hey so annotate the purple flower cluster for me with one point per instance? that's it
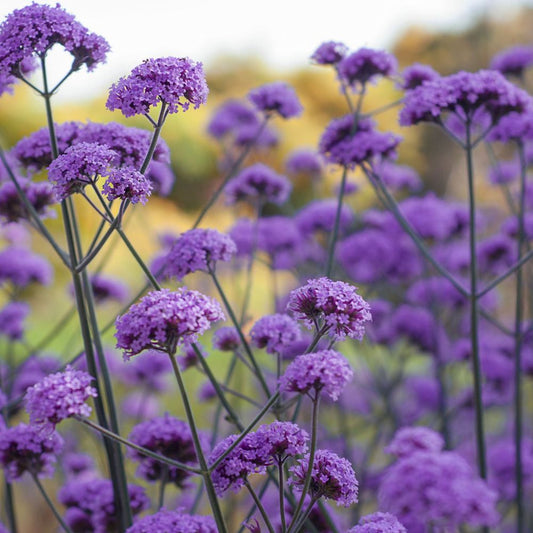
(20, 267)
(408, 440)
(226, 339)
(166, 436)
(417, 74)
(177, 82)
(275, 332)
(258, 183)
(34, 369)
(349, 143)
(197, 249)
(463, 93)
(326, 371)
(91, 507)
(378, 523)
(148, 372)
(12, 317)
(513, 61)
(305, 162)
(397, 177)
(127, 184)
(106, 288)
(276, 98)
(59, 396)
(173, 522)
(39, 194)
(334, 307)
(516, 127)
(319, 215)
(366, 65)
(35, 29)
(25, 448)
(163, 319)
(329, 53)
(332, 477)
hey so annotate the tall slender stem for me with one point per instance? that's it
(335, 233)
(50, 504)
(259, 505)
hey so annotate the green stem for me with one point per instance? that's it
(259, 505)
(50, 504)
(10, 507)
(281, 497)
(335, 233)
(155, 137)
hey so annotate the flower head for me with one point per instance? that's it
(282, 439)
(24, 448)
(177, 82)
(335, 303)
(275, 332)
(278, 98)
(174, 522)
(326, 371)
(12, 317)
(106, 288)
(365, 65)
(59, 396)
(127, 184)
(226, 339)
(163, 319)
(319, 215)
(513, 61)
(408, 440)
(306, 162)
(332, 477)
(329, 53)
(417, 74)
(378, 523)
(21, 267)
(40, 195)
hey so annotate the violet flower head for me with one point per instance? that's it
(161, 177)
(378, 523)
(40, 195)
(127, 184)
(334, 307)
(332, 477)
(177, 82)
(79, 166)
(349, 146)
(397, 177)
(25, 448)
(517, 127)
(163, 319)
(513, 61)
(258, 183)
(148, 373)
(107, 288)
(366, 65)
(329, 53)
(320, 215)
(59, 396)
(168, 436)
(417, 74)
(198, 249)
(464, 94)
(34, 369)
(275, 332)
(12, 317)
(324, 371)
(226, 339)
(20, 267)
(305, 162)
(36, 28)
(173, 522)
(230, 117)
(408, 440)
(282, 440)
(276, 98)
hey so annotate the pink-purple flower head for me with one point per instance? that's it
(332, 477)
(276, 98)
(517, 127)
(275, 332)
(163, 319)
(39, 194)
(12, 317)
(378, 523)
(25, 448)
(464, 94)
(349, 144)
(305, 162)
(175, 521)
(127, 184)
(408, 440)
(417, 74)
(198, 249)
(177, 82)
(35, 29)
(59, 396)
(20, 267)
(258, 183)
(365, 66)
(333, 307)
(513, 61)
(329, 53)
(326, 371)
(226, 339)
(79, 166)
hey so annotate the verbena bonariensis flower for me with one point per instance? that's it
(226, 339)
(274, 332)
(276, 98)
(329, 53)
(79, 166)
(40, 195)
(463, 93)
(516, 127)
(91, 507)
(348, 144)
(416, 74)
(20, 267)
(36, 28)
(167, 436)
(25, 448)
(127, 184)
(408, 440)
(161, 177)
(198, 249)
(258, 183)
(178, 82)
(175, 521)
(148, 373)
(430, 487)
(305, 162)
(107, 288)
(378, 523)
(12, 317)
(324, 371)
(366, 65)
(416, 324)
(332, 477)
(433, 291)
(319, 215)
(281, 440)
(59, 396)
(231, 117)
(513, 61)
(163, 319)
(397, 177)
(31, 371)
(333, 307)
